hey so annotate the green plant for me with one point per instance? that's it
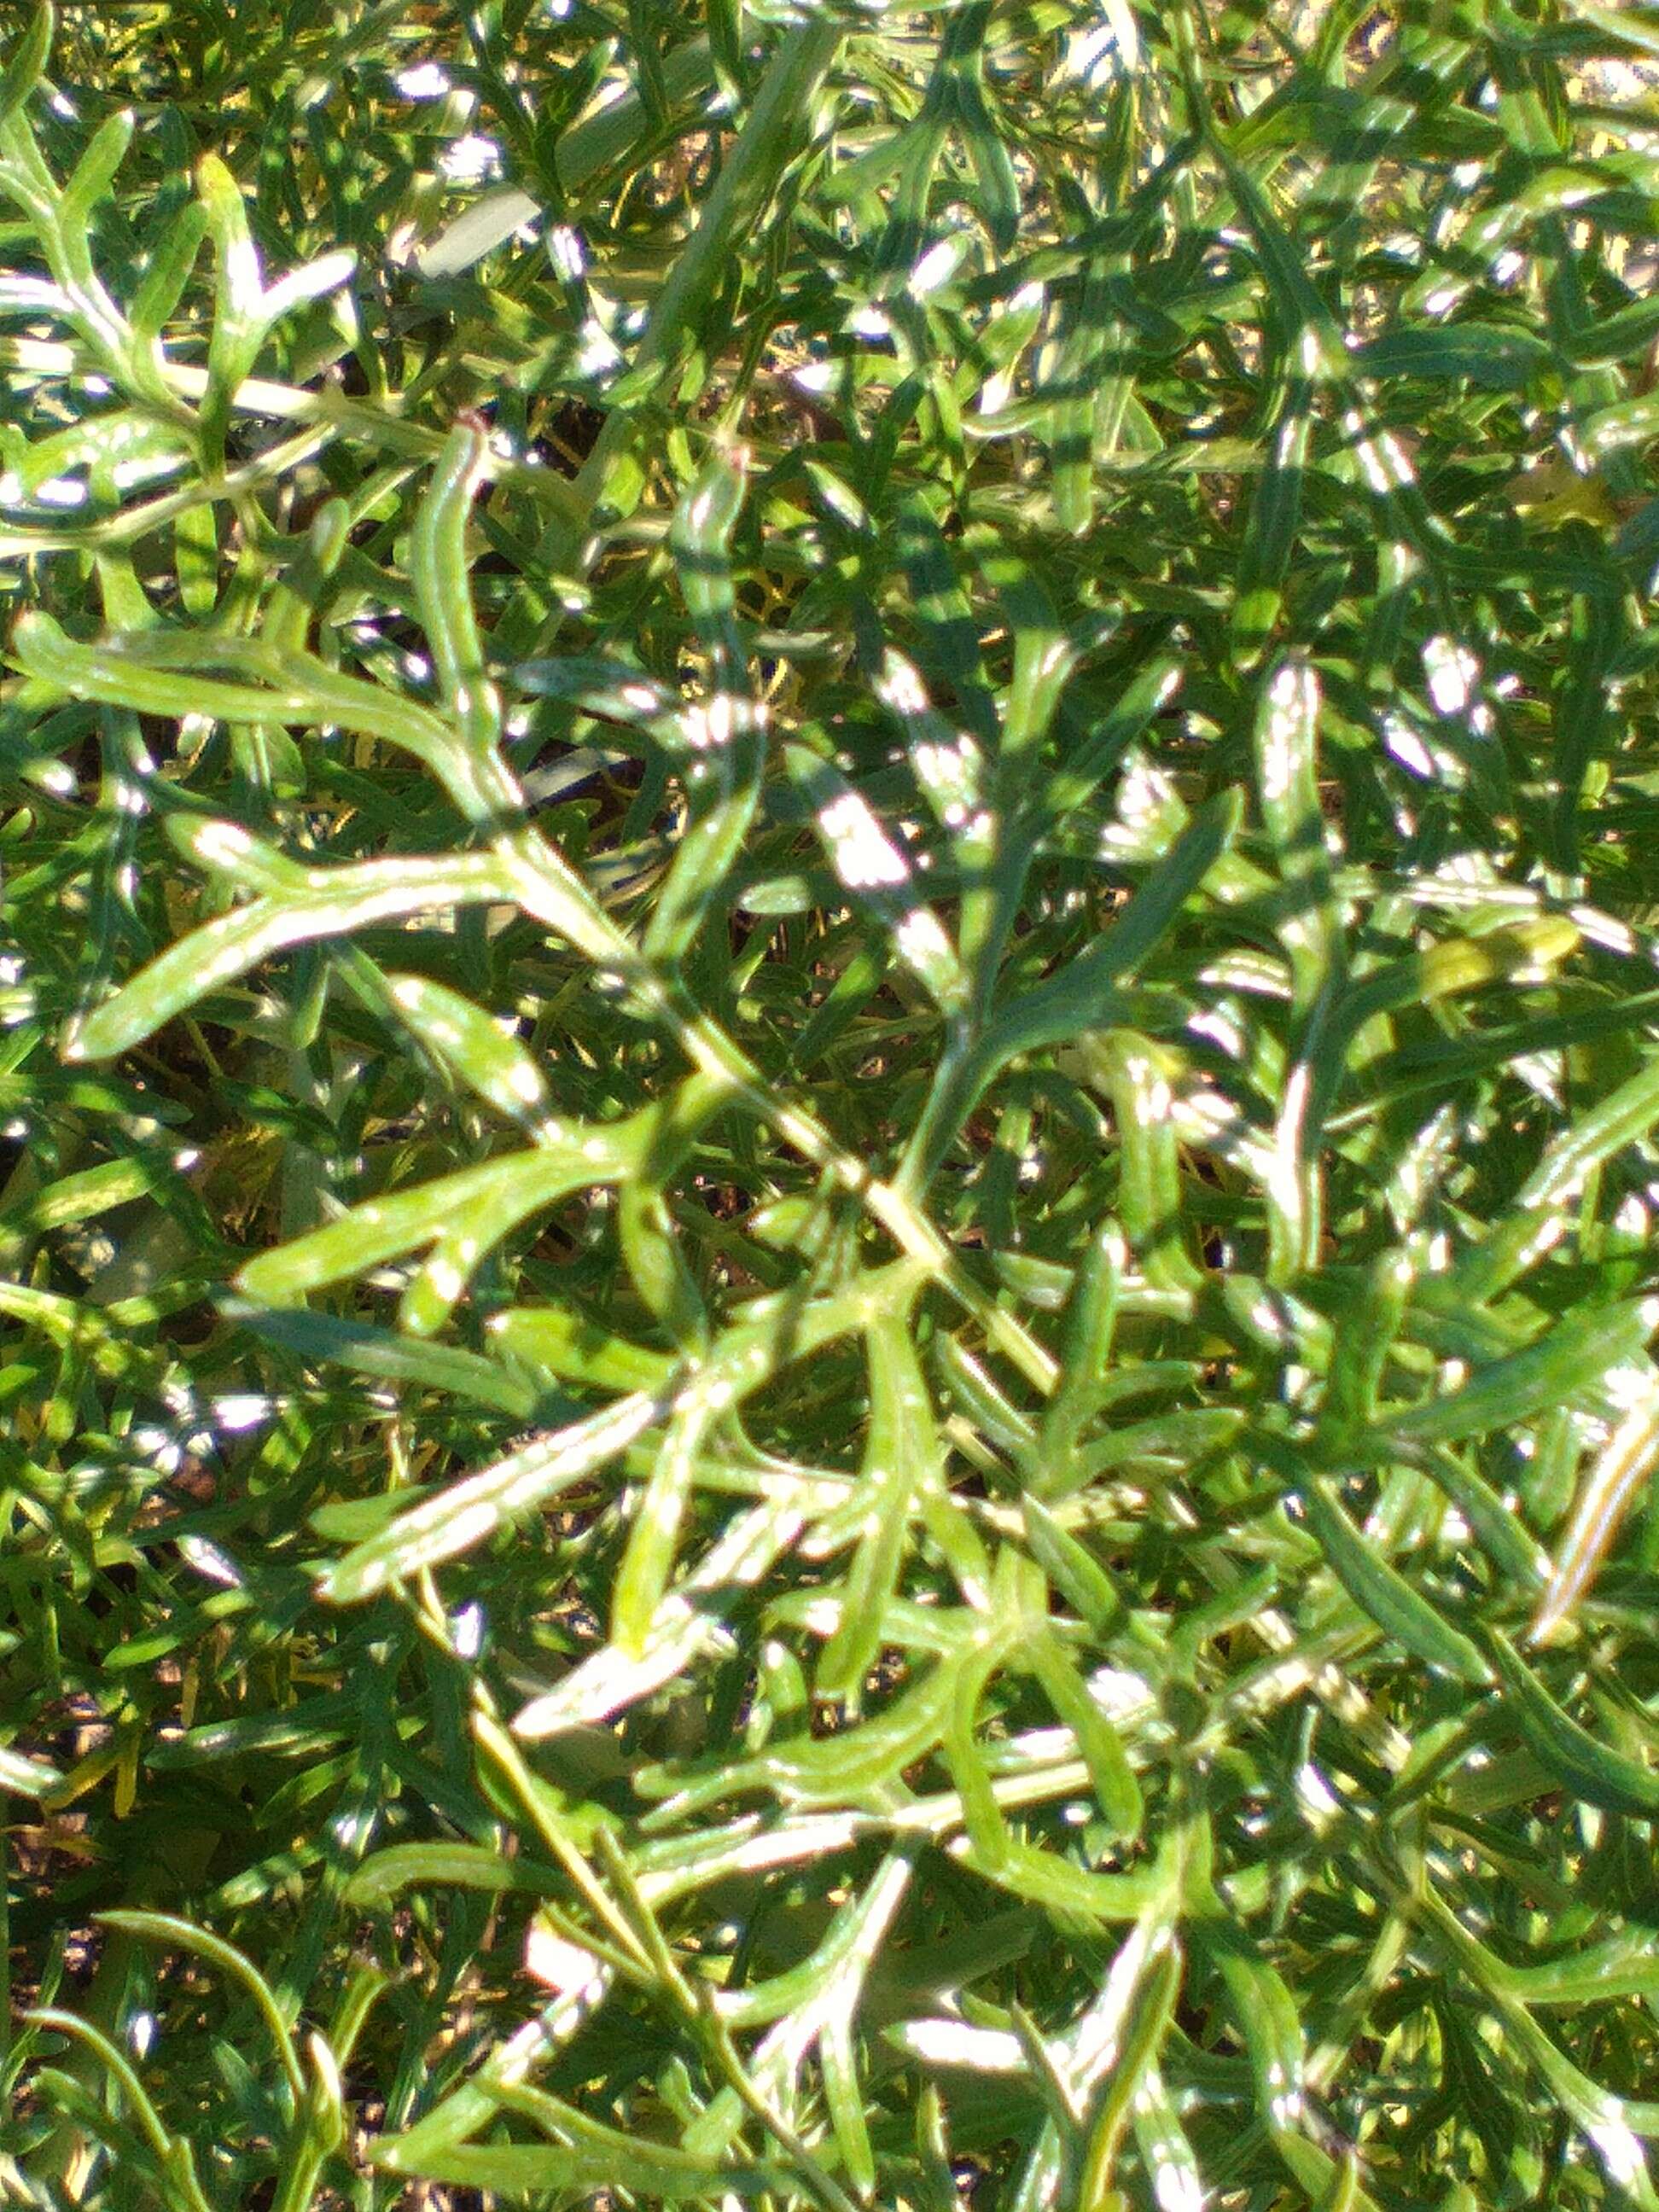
(830, 1045)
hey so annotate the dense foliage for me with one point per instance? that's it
(831, 1063)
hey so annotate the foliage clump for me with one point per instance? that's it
(830, 1057)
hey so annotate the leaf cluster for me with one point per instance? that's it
(830, 1064)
